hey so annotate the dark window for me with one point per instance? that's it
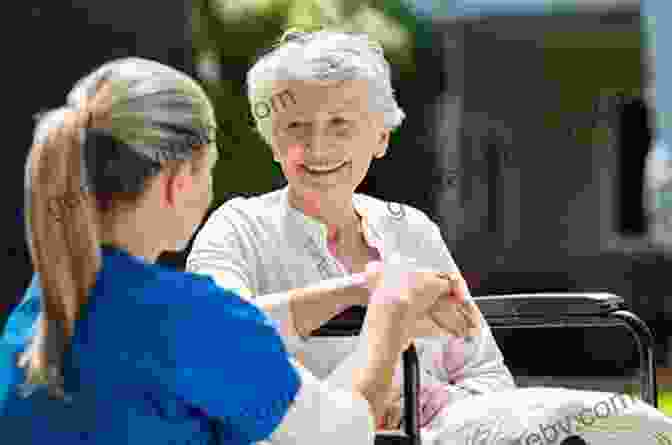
(634, 136)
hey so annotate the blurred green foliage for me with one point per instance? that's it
(664, 396)
(229, 36)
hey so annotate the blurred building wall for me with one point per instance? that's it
(544, 153)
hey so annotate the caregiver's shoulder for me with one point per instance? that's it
(187, 292)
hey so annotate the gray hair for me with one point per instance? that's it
(324, 55)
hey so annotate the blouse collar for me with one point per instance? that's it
(318, 231)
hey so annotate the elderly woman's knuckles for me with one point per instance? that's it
(426, 288)
(425, 327)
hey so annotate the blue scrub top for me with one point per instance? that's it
(158, 357)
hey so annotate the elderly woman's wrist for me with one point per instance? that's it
(372, 276)
(360, 288)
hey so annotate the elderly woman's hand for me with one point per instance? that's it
(400, 282)
(453, 313)
(449, 313)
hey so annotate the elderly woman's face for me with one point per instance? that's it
(325, 135)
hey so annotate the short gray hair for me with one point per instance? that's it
(324, 55)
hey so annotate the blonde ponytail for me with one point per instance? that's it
(124, 123)
(64, 248)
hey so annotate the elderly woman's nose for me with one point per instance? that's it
(317, 145)
(315, 141)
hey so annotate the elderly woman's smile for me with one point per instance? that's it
(324, 170)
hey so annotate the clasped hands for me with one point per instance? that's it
(437, 302)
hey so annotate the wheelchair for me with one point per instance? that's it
(532, 310)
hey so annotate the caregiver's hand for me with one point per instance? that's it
(393, 412)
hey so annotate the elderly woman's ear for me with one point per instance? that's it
(384, 141)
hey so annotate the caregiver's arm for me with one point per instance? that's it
(335, 410)
(325, 414)
(267, 394)
(224, 252)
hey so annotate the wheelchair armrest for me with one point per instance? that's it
(545, 304)
(575, 309)
(493, 307)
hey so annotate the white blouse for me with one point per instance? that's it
(263, 247)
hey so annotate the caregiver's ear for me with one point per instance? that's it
(176, 183)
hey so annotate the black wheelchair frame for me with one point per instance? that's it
(535, 310)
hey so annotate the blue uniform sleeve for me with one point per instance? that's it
(18, 329)
(229, 361)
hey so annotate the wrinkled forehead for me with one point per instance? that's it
(313, 98)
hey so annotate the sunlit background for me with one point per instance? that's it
(529, 125)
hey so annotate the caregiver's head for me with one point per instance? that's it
(324, 102)
(127, 162)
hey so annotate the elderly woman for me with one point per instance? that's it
(113, 349)
(324, 103)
